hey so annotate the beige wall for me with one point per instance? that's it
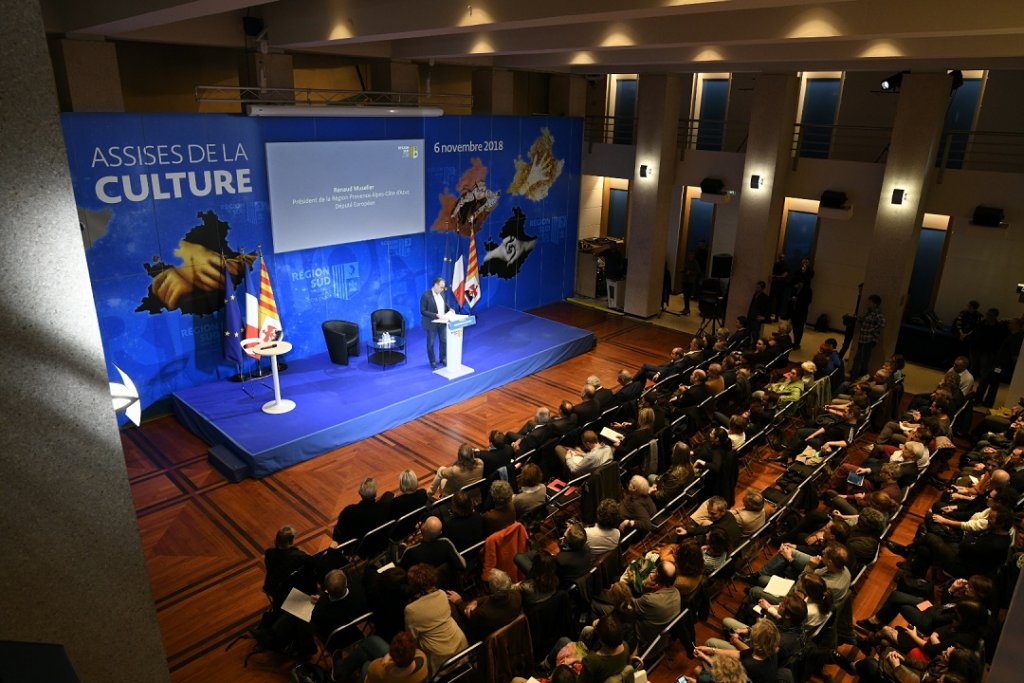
(591, 204)
(180, 69)
(1002, 105)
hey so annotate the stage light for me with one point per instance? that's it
(893, 82)
(898, 195)
(756, 182)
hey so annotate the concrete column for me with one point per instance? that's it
(388, 76)
(567, 95)
(493, 92)
(87, 76)
(650, 198)
(915, 140)
(1016, 389)
(772, 113)
(73, 568)
(270, 70)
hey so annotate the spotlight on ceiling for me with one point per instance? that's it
(893, 82)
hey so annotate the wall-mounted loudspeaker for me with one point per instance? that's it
(833, 199)
(252, 26)
(712, 186)
(988, 216)
(721, 265)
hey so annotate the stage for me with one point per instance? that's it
(337, 405)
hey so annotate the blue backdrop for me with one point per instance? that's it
(155, 190)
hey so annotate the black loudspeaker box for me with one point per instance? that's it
(989, 216)
(832, 199)
(721, 265)
(712, 186)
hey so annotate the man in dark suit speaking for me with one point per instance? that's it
(433, 305)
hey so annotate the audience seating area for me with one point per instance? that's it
(800, 520)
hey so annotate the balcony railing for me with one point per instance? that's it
(981, 151)
(325, 97)
(611, 130)
(714, 136)
(845, 143)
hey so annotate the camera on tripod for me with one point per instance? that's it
(711, 299)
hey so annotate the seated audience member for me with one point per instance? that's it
(489, 613)
(533, 433)
(609, 656)
(976, 553)
(692, 395)
(638, 436)
(637, 506)
(782, 337)
(464, 527)
(679, 475)
(604, 396)
(280, 561)
(591, 455)
(541, 580)
(574, 558)
(737, 431)
(428, 618)
(589, 408)
(751, 515)
(604, 535)
(839, 434)
(499, 455)
(340, 603)
(390, 591)
(713, 513)
(761, 354)
(435, 550)
(715, 550)
(650, 371)
(759, 658)
(402, 662)
(715, 382)
(789, 616)
(411, 496)
(791, 388)
(965, 631)
(467, 469)
(532, 491)
(831, 565)
(504, 512)
(369, 513)
(658, 604)
(689, 561)
(627, 395)
(721, 670)
(927, 619)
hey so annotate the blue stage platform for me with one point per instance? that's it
(338, 405)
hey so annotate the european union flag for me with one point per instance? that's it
(232, 321)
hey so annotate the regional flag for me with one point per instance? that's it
(472, 275)
(252, 311)
(459, 283)
(232, 321)
(270, 321)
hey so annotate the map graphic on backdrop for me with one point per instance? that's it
(161, 196)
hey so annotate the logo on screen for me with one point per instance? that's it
(410, 151)
(345, 279)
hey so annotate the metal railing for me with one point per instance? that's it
(845, 143)
(714, 136)
(612, 130)
(981, 151)
(326, 97)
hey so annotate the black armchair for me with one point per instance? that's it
(387, 320)
(342, 338)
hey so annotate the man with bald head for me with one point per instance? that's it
(435, 550)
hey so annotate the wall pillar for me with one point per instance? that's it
(916, 133)
(87, 75)
(493, 92)
(73, 568)
(769, 141)
(269, 70)
(650, 198)
(389, 76)
(567, 95)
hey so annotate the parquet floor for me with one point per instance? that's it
(204, 537)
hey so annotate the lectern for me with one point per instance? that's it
(453, 334)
